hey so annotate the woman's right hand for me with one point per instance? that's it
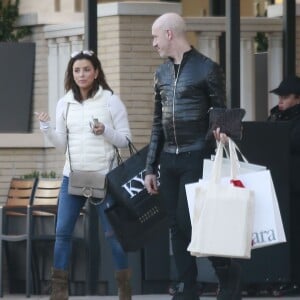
(42, 116)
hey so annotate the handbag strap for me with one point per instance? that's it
(67, 132)
(132, 150)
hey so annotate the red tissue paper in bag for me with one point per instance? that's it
(237, 183)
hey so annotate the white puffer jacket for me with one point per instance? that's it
(87, 151)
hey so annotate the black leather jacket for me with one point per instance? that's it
(181, 107)
(291, 114)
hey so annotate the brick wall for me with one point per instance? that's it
(129, 62)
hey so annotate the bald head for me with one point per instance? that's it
(169, 38)
(171, 21)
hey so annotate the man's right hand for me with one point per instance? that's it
(151, 184)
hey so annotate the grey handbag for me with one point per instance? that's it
(90, 184)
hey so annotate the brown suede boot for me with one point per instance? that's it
(59, 282)
(124, 286)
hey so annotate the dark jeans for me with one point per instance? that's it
(176, 171)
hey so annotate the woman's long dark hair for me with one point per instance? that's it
(70, 83)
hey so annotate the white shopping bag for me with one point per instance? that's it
(242, 166)
(267, 224)
(190, 190)
(221, 217)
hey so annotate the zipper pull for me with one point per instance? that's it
(177, 150)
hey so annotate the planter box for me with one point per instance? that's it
(16, 86)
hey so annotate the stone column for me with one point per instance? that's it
(76, 43)
(275, 65)
(208, 44)
(53, 94)
(64, 51)
(247, 100)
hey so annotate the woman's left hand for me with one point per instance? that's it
(98, 128)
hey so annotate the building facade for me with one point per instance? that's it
(124, 47)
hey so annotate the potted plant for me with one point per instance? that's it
(9, 13)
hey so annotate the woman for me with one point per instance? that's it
(90, 122)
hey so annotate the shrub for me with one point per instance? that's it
(9, 13)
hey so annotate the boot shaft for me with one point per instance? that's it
(59, 285)
(124, 287)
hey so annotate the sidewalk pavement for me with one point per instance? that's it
(138, 297)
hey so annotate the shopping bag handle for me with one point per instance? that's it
(132, 150)
(217, 164)
(233, 159)
(244, 159)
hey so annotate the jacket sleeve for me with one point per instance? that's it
(216, 86)
(57, 136)
(157, 137)
(120, 132)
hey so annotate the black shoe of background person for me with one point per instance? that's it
(230, 285)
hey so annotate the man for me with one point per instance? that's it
(288, 93)
(186, 86)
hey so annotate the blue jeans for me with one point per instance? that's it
(69, 207)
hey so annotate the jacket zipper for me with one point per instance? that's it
(174, 126)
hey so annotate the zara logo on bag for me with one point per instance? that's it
(136, 184)
(263, 237)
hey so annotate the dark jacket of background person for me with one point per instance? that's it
(291, 86)
(291, 115)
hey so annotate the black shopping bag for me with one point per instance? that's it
(136, 215)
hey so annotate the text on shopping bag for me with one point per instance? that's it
(136, 184)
